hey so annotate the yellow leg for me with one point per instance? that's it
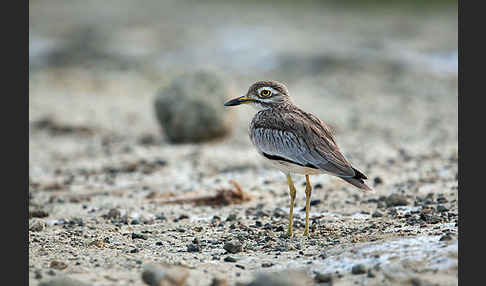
(292, 199)
(308, 192)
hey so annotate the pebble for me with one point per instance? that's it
(233, 246)
(232, 217)
(38, 214)
(446, 237)
(58, 265)
(230, 259)
(219, 282)
(377, 214)
(441, 209)
(377, 181)
(315, 202)
(113, 214)
(158, 275)
(358, 269)
(394, 200)
(138, 236)
(322, 278)
(371, 274)
(191, 247)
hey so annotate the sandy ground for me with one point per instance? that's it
(101, 171)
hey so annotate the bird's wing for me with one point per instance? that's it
(307, 149)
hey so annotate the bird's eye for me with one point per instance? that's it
(265, 93)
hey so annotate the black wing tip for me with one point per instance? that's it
(358, 175)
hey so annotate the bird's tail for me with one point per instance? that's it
(358, 181)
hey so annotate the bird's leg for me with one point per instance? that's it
(308, 192)
(292, 199)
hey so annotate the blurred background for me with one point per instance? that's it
(383, 74)
(128, 96)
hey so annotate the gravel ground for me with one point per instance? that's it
(109, 196)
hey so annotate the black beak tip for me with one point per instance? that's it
(232, 102)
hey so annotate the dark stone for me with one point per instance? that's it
(441, 209)
(138, 236)
(229, 259)
(323, 278)
(377, 214)
(358, 269)
(233, 246)
(193, 248)
(396, 200)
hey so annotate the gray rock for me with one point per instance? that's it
(394, 200)
(283, 278)
(190, 108)
(164, 275)
(358, 269)
(191, 247)
(233, 246)
(323, 278)
(62, 281)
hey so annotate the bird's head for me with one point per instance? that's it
(263, 95)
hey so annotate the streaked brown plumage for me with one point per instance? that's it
(295, 141)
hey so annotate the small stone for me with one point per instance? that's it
(113, 214)
(377, 214)
(38, 274)
(441, 209)
(158, 275)
(38, 214)
(232, 217)
(396, 200)
(416, 282)
(315, 202)
(441, 199)
(322, 278)
(138, 236)
(230, 259)
(378, 181)
(219, 282)
(358, 269)
(371, 274)
(446, 237)
(233, 246)
(193, 248)
(267, 264)
(58, 265)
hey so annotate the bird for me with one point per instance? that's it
(294, 141)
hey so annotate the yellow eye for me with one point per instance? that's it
(265, 93)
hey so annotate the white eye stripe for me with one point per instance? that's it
(267, 88)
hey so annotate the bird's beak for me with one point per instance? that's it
(239, 100)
